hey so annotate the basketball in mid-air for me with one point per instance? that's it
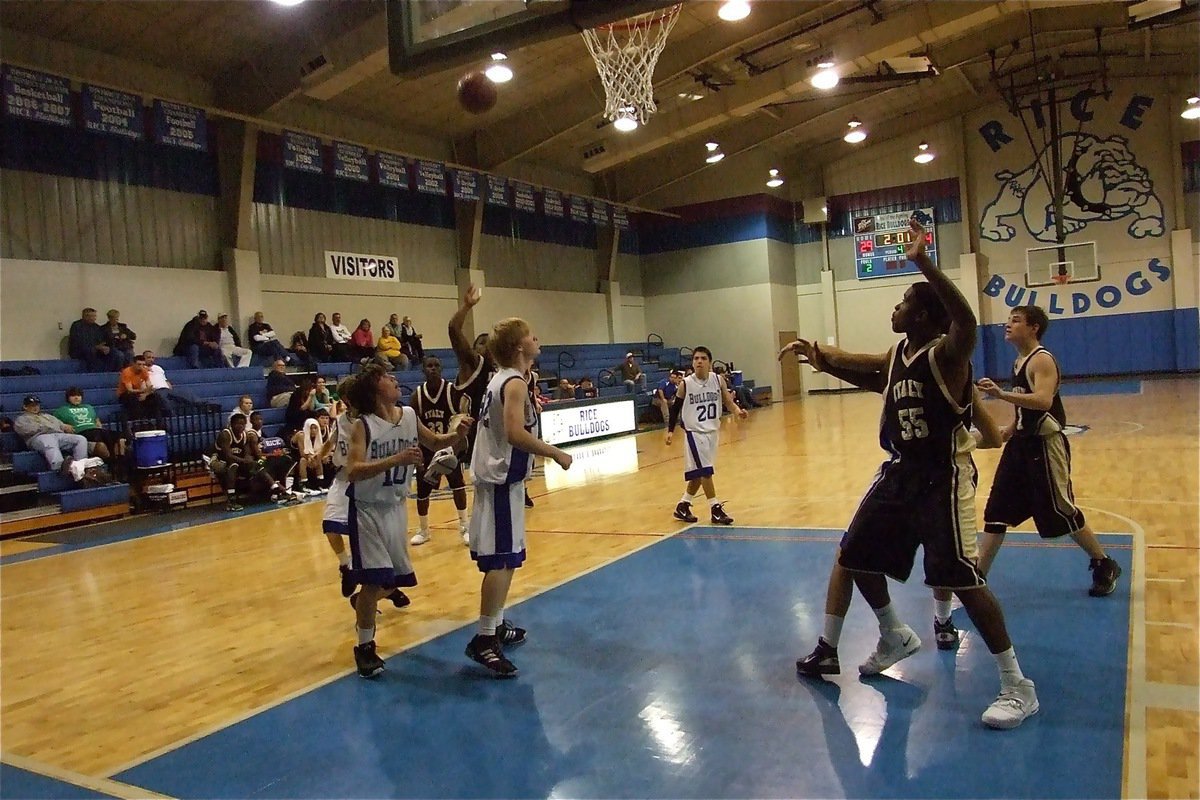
(476, 93)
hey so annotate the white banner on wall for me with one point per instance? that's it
(361, 266)
(579, 423)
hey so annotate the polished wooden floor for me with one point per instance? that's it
(114, 653)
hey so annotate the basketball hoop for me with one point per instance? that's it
(626, 53)
(1061, 279)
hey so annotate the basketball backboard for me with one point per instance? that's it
(1059, 264)
(430, 35)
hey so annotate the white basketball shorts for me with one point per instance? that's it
(379, 544)
(699, 454)
(498, 526)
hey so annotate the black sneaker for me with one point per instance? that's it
(945, 634)
(1105, 572)
(821, 661)
(368, 661)
(683, 512)
(348, 582)
(354, 601)
(528, 500)
(486, 650)
(233, 505)
(509, 634)
(719, 517)
(399, 599)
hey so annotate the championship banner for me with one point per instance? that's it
(393, 170)
(38, 96)
(361, 266)
(523, 199)
(464, 184)
(302, 152)
(497, 191)
(112, 112)
(579, 208)
(431, 177)
(350, 161)
(620, 217)
(552, 203)
(178, 125)
(599, 212)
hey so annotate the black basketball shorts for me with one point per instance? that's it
(1033, 479)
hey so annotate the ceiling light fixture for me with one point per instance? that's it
(774, 181)
(1192, 111)
(690, 96)
(499, 72)
(856, 133)
(826, 77)
(733, 10)
(626, 120)
(287, 2)
(714, 153)
(924, 154)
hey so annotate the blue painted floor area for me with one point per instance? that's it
(17, 782)
(671, 673)
(1100, 387)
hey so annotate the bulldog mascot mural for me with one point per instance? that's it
(1102, 182)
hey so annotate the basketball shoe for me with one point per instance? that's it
(367, 660)
(509, 634)
(420, 537)
(719, 517)
(486, 650)
(683, 511)
(1105, 572)
(945, 634)
(895, 645)
(821, 661)
(1014, 705)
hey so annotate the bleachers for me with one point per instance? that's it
(33, 498)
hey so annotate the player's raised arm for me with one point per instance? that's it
(959, 343)
(864, 370)
(467, 357)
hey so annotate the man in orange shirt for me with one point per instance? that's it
(135, 392)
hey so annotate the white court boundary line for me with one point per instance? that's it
(445, 627)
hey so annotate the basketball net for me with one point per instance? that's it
(626, 53)
(1060, 279)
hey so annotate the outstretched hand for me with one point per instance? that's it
(472, 295)
(807, 352)
(916, 248)
(988, 387)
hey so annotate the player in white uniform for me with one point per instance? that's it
(382, 455)
(506, 441)
(698, 405)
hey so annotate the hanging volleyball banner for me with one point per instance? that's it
(392, 169)
(350, 161)
(302, 152)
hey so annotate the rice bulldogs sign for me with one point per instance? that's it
(361, 266)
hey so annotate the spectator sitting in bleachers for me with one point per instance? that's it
(362, 343)
(197, 343)
(231, 345)
(81, 417)
(392, 326)
(119, 339)
(308, 445)
(631, 373)
(265, 342)
(741, 394)
(586, 389)
(169, 398)
(135, 394)
(388, 351)
(564, 390)
(326, 399)
(245, 406)
(86, 343)
(299, 407)
(665, 392)
(276, 461)
(410, 341)
(320, 340)
(239, 466)
(342, 348)
(279, 385)
(47, 435)
(299, 350)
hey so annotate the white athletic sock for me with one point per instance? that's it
(344, 558)
(424, 522)
(888, 619)
(462, 517)
(687, 498)
(712, 501)
(365, 635)
(941, 610)
(832, 633)
(487, 625)
(1010, 670)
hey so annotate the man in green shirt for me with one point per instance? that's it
(83, 419)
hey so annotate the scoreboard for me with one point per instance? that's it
(880, 241)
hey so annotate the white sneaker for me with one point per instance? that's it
(420, 537)
(1014, 704)
(894, 645)
(465, 533)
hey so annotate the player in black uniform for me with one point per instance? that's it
(924, 494)
(475, 365)
(436, 401)
(1033, 478)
